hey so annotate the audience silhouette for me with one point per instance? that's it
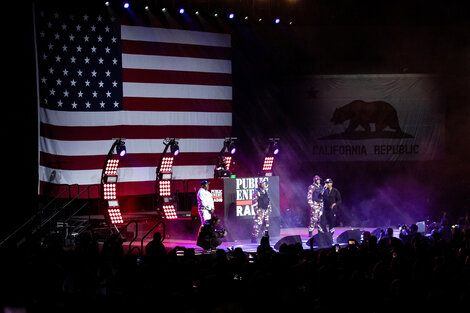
(414, 273)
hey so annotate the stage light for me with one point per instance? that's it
(164, 173)
(109, 180)
(167, 165)
(106, 3)
(222, 167)
(164, 188)
(277, 21)
(268, 164)
(109, 191)
(169, 211)
(163, 9)
(229, 146)
(246, 17)
(216, 14)
(111, 167)
(197, 12)
(231, 16)
(228, 162)
(275, 148)
(126, 5)
(146, 8)
(120, 148)
(175, 149)
(181, 11)
(232, 148)
(115, 216)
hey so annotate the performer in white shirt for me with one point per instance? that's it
(205, 203)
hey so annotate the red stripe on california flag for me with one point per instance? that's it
(176, 105)
(172, 49)
(132, 132)
(176, 77)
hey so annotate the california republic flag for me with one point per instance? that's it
(383, 117)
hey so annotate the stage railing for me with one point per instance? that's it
(41, 211)
(151, 229)
(62, 209)
(135, 236)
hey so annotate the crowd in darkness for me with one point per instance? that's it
(390, 274)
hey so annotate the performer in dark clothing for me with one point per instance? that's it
(331, 201)
(209, 234)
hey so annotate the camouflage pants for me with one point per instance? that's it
(315, 213)
(261, 217)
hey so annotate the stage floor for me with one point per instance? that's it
(246, 245)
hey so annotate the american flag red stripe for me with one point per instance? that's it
(124, 188)
(170, 49)
(173, 83)
(176, 77)
(142, 160)
(173, 104)
(131, 132)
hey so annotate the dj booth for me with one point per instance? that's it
(233, 204)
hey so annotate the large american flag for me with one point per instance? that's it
(99, 79)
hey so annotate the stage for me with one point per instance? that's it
(246, 245)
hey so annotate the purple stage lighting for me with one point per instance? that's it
(181, 11)
(126, 5)
(121, 148)
(175, 149)
(232, 148)
(230, 16)
(277, 21)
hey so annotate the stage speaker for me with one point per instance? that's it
(349, 234)
(289, 240)
(321, 240)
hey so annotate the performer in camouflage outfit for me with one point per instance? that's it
(315, 203)
(262, 208)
